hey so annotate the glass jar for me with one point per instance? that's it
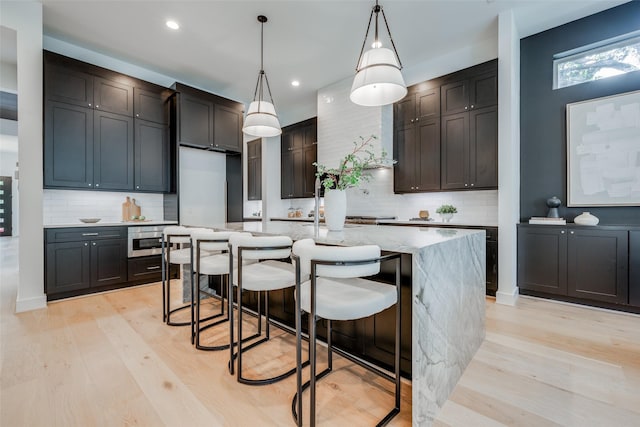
(298, 212)
(291, 213)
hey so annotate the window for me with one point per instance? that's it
(607, 58)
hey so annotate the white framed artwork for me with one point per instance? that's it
(603, 151)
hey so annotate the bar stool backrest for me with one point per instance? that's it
(307, 250)
(178, 233)
(207, 234)
(266, 242)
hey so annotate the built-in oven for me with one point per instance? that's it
(145, 240)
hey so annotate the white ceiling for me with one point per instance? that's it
(317, 42)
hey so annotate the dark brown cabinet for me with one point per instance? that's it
(634, 268)
(597, 265)
(417, 151)
(89, 131)
(83, 260)
(472, 92)
(112, 151)
(492, 260)
(584, 263)
(254, 169)
(298, 153)
(462, 153)
(208, 121)
(151, 156)
(470, 150)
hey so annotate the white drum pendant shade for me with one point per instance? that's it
(379, 80)
(261, 122)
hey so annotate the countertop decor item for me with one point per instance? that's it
(335, 209)
(90, 220)
(446, 212)
(261, 119)
(126, 209)
(378, 79)
(350, 172)
(553, 203)
(585, 218)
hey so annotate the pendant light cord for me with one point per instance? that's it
(258, 93)
(377, 9)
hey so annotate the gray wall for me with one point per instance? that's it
(543, 157)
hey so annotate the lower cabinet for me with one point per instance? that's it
(634, 268)
(148, 269)
(578, 262)
(84, 259)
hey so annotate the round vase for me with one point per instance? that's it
(585, 218)
(446, 217)
(335, 209)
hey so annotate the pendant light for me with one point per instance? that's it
(378, 79)
(261, 119)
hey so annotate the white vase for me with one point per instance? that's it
(585, 218)
(446, 217)
(335, 209)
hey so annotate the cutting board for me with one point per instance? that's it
(135, 209)
(126, 209)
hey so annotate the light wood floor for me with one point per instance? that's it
(108, 360)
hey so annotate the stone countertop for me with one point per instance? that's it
(398, 239)
(432, 223)
(111, 224)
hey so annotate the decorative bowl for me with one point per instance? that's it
(90, 220)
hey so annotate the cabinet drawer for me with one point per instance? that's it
(148, 268)
(84, 233)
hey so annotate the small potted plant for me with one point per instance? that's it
(446, 212)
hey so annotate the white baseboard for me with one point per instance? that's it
(29, 304)
(507, 298)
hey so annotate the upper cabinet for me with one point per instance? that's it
(299, 150)
(446, 133)
(208, 121)
(254, 169)
(103, 130)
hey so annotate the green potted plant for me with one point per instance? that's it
(350, 173)
(446, 212)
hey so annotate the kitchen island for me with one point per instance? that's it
(447, 296)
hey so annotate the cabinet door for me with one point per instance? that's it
(67, 267)
(68, 146)
(227, 128)
(195, 122)
(542, 259)
(598, 265)
(404, 151)
(254, 169)
(151, 147)
(113, 151)
(404, 111)
(68, 86)
(108, 262)
(428, 104)
(286, 175)
(483, 90)
(455, 154)
(483, 148)
(308, 178)
(298, 173)
(454, 97)
(113, 97)
(634, 268)
(428, 155)
(150, 106)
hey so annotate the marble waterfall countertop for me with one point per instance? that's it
(448, 297)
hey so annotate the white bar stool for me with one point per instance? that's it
(181, 236)
(330, 285)
(266, 275)
(204, 243)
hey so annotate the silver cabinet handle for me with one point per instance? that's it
(466, 185)
(137, 186)
(97, 106)
(466, 108)
(137, 115)
(89, 104)
(562, 232)
(86, 244)
(97, 185)
(89, 234)
(93, 243)
(417, 119)
(411, 120)
(155, 267)
(471, 105)
(472, 185)
(571, 232)
(89, 185)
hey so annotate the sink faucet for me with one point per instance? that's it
(316, 208)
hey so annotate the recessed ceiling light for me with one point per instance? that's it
(173, 24)
(295, 83)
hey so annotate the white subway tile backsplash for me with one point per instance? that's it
(67, 206)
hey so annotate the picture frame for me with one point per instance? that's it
(603, 151)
